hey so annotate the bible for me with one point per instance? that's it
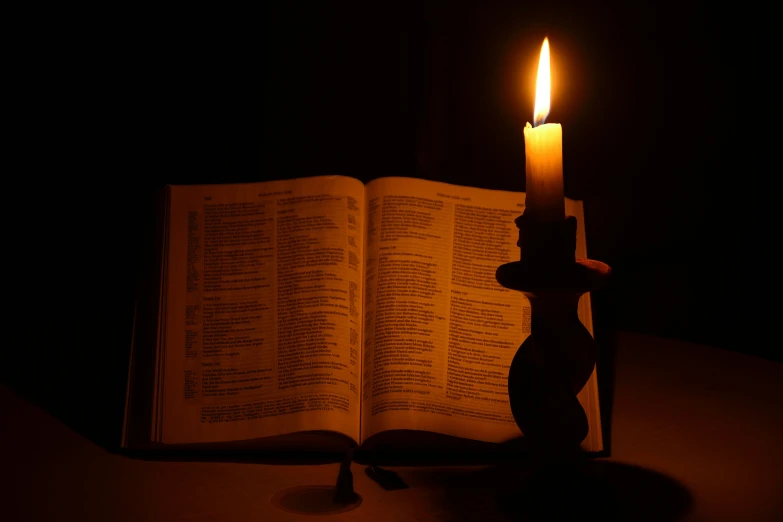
(324, 313)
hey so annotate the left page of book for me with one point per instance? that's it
(263, 310)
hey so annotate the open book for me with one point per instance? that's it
(288, 313)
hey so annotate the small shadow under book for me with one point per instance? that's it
(391, 448)
(603, 490)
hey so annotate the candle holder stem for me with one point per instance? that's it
(556, 360)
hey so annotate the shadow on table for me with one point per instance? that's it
(605, 491)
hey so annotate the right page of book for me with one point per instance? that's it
(440, 332)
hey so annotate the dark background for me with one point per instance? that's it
(662, 126)
(664, 110)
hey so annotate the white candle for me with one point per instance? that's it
(544, 200)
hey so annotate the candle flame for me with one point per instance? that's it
(543, 86)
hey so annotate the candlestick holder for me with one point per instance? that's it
(556, 360)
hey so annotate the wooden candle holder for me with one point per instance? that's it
(554, 363)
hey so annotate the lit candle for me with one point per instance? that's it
(544, 199)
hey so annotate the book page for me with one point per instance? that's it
(264, 307)
(440, 331)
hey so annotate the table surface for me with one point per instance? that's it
(696, 435)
